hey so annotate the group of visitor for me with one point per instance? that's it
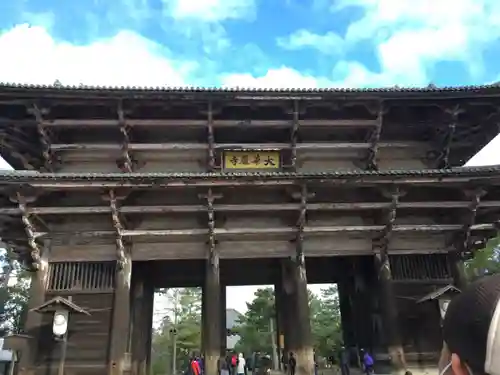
(196, 366)
(471, 333)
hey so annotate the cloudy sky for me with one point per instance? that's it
(277, 43)
(252, 43)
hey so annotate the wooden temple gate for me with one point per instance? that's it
(119, 191)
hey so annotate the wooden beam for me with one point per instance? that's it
(27, 162)
(167, 147)
(388, 303)
(119, 230)
(126, 164)
(301, 224)
(463, 243)
(308, 230)
(44, 136)
(30, 230)
(158, 182)
(216, 123)
(212, 322)
(371, 159)
(170, 209)
(443, 159)
(294, 135)
(211, 138)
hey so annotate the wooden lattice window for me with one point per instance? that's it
(420, 267)
(79, 276)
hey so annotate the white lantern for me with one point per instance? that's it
(60, 324)
(443, 306)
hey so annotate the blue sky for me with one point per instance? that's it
(253, 43)
(271, 43)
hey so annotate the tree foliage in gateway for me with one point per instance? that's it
(14, 288)
(485, 261)
(182, 318)
(255, 331)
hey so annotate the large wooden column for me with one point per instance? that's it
(464, 245)
(212, 290)
(142, 315)
(297, 299)
(387, 298)
(280, 315)
(39, 256)
(298, 335)
(346, 314)
(223, 321)
(119, 359)
(33, 324)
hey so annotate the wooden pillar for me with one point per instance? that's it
(212, 291)
(278, 307)
(299, 324)
(346, 314)
(211, 323)
(120, 324)
(142, 302)
(33, 324)
(203, 319)
(223, 321)
(387, 298)
(149, 297)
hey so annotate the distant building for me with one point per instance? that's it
(232, 320)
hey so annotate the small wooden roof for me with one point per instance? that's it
(58, 303)
(438, 293)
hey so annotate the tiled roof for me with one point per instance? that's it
(28, 176)
(241, 90)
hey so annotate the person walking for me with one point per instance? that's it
(367, 362)
(344, 361)
(292, 363)
(241, 365)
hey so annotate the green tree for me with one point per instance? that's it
(486, 261)
(14, 289)
(254, 325)
(182, 324)
(326, 323)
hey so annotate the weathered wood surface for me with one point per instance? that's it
(87, 341)
(156, 226)
(442, 125)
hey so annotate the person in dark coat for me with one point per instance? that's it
(344, 361)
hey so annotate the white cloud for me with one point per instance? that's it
(275, 78)
(410, 36)
(210, 10)
(31, 55)
(328, 44)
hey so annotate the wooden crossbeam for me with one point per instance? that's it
(302, 146)
(45, 140)
(301, 224)
(30, 231)
(211, 138)
(294, 134)
(119, 230)
(307, 230)
(443, 159)
(465, 244)
(371, 159)
(126, 162)
(216, 123)
(169, 209)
